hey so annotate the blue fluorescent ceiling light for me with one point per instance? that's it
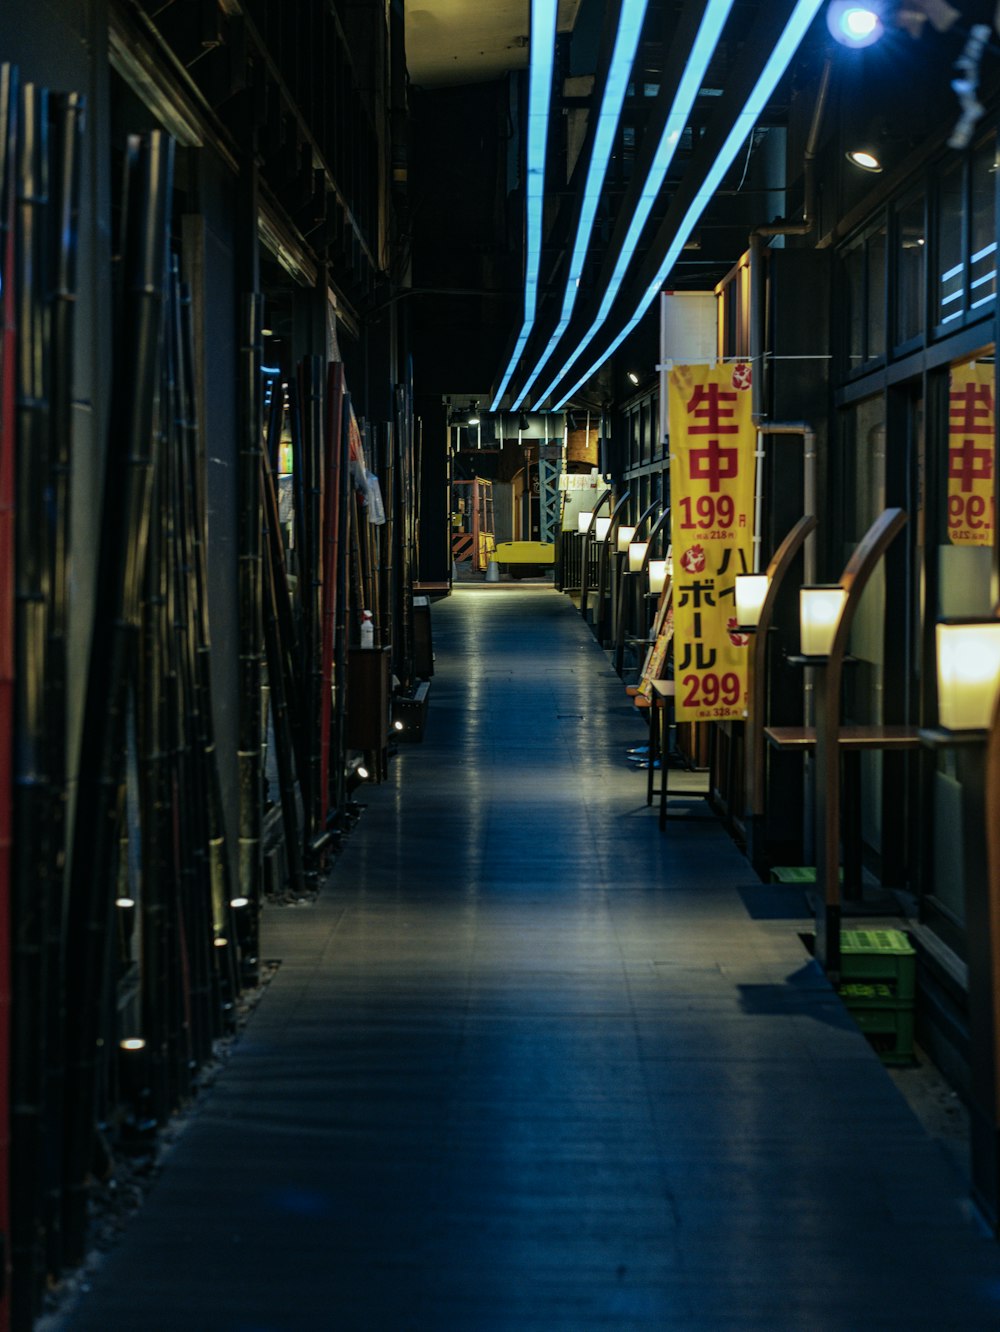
(778, 61)
(630, 21)
(543, 48)
(703, 48)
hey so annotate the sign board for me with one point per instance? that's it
(971, 426)
(712, 445)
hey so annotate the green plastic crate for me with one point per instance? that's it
(889, 1031)
(796, 874)
(871, 994)
(879, 955)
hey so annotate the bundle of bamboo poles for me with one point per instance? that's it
(39, 165)
(127, 960)
(305, 618)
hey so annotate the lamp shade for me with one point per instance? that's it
(636, 555)
(968, 673)
(751, 589)
(601, 527)
(584, 518)
(820, 609)
(657, 574)
(625, 535)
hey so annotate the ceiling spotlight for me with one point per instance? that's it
(473, 413)
(864, 158)
(633, 377)
(854, 25)
(523, 422)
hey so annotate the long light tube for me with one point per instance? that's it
(702, 50)
(778, 61)
(630, 21)
(543, 49)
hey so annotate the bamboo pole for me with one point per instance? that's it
(220, 888)
(313, 580)
(192, 794)
(8, 131)
(32, 847)
(124, 532)
(158, 872)
(278, 680)
(67, 132)
(333, 482)
(298, 426)
(251, 627)
(341, 610)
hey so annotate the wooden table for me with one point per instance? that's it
(852, 741)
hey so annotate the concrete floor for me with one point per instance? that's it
(529, 1064)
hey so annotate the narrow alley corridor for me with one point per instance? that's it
(529, 1064)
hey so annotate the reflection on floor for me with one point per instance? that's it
(529, 1063)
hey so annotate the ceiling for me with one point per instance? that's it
(470, 41)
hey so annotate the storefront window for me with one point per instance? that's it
(854, 266)
(911, 250)
(875, 347)
(950, 265)
(983, 256)
(865, 280)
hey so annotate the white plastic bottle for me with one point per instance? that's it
(367, 630)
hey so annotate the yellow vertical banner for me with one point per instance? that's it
(712, 445)
(971, 425)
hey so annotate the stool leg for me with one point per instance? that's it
(664, 765)
(654, 748)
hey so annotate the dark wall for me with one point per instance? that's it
(217, 203)
(460, 236)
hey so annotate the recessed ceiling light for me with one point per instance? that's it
(854, 25)
(864, 158)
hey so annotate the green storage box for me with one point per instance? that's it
(889, 1031)
(880, 955)
(796, 874)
